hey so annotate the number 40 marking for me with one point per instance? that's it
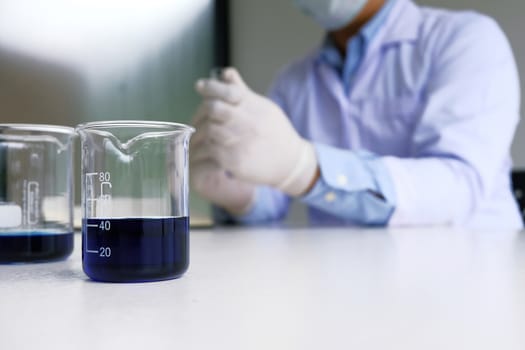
(105, 225)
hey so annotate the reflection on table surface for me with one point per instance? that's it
(287, 288)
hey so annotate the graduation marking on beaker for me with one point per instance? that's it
(104, 196)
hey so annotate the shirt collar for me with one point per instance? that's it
(372, 27)
(329, 52)
(398, 20)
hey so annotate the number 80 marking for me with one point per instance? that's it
(104, 176)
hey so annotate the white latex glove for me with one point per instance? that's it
(212, 182)
(251, 137)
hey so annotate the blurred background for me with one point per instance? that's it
(66, 62)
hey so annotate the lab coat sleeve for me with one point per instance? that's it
(464, 134)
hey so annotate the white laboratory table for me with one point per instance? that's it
(285, 288)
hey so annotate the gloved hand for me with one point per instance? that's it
(251, 137)
(212, 182)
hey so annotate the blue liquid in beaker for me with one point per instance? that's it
(34, 246)
(135, 249)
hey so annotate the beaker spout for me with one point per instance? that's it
(126, 136)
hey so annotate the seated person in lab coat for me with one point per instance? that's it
(403, 116)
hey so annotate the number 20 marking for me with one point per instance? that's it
(104, 252)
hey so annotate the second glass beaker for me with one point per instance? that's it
(135, 209)
(36, 192)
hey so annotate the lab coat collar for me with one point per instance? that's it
(403, 23)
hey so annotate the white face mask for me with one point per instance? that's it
(331, 14)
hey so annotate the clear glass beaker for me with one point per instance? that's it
(36, 192)
(135, 210)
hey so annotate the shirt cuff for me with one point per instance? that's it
(355, 186)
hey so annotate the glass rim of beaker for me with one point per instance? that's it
(109, 124)
(42, 128)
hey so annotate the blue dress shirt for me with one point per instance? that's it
(413, 127)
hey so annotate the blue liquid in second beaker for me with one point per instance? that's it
(34, 246)
(135, 249)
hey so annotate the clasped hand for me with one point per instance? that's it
(244, 139)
